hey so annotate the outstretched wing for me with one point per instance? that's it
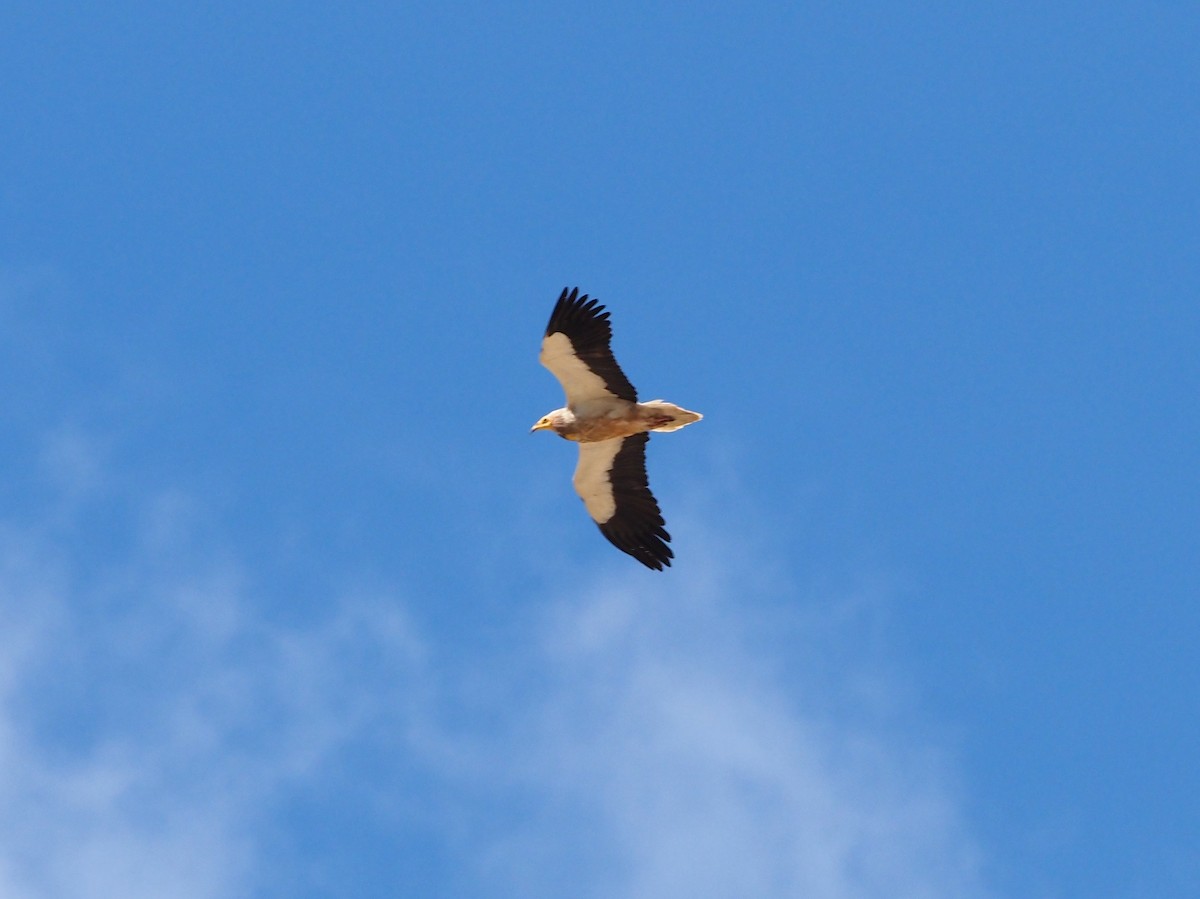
(611, 480)
(576, 349)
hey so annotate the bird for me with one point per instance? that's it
(604, 417)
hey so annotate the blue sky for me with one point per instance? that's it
(291, 603)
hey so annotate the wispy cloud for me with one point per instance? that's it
(151, 718)
(636, 739)
(660, 752)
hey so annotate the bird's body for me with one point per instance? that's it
(605, 420)
(604, 417)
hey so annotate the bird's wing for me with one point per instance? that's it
(611, 480)
(576, 349)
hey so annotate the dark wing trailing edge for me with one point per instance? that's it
(637, 525)
(585, 323)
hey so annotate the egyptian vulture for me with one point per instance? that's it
(604, 417)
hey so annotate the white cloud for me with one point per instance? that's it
(650, 737)
(150, 717)
(668, 758)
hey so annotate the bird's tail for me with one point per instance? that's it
(677, 417)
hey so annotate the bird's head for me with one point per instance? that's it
(559, 421)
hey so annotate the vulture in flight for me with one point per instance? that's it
(604, 417)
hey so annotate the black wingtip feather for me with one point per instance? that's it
(574, 315)
(649, 547)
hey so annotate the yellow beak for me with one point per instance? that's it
(540, 426)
